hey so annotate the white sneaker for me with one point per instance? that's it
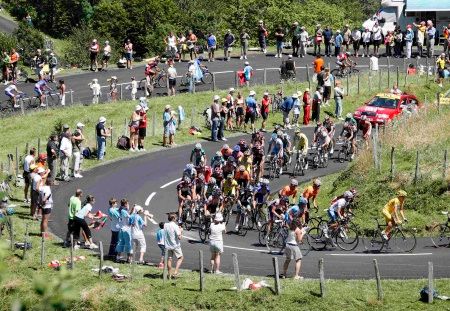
(276, 55)
(93, 246)
(218, 272)
(43, 105)
(384, 236)
(242, 57)
(16, 106)
(236, 228)
(245, 57)
(76, 246)
(78, 176)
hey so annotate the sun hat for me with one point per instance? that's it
(138, 208)
(246, 63)
(231, 89)
(102, 119)
(252, 93)
(295, 95)
(138, 107)
(167, 107)
(216, 97)
(79, 124)
(266, 94)
(66, 126)
(307, 89)
(402, 193)
(224, 100)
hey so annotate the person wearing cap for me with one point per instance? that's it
(168, 121)
(279, 36)
(264, 108)
(316, 103)
(102, 134)
(306, 106)
(93, 53)
(52, 63)
(77, 140)
(251, 111)
(440, 65)
(289, 190)
(310, 193)
(134, 128)
(217, 228)
(338, 97)
(28, 162)
(262, 36)
(51, 156)
(106, 56)
(391, 213)
(296, 109)
(65, 153)
(421, 28)
(248, 73)
(96, 90)
(142, 123)
(128, 49)
(409, 37)
(228, 42)
(431, 37)
(137, 224)
(172, 237)
(215, 117)
(113, 91)
(366, 37)
(338, 40)
(286, 107)
(303, 41)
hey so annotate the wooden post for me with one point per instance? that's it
(307, 76)
(71, 264)
(416, 173)
(39, 145)
(112, 129)
(165, 266)
(121, 91)
(101, 259)
(265, 76)
(237, 278)
(71, 97)
(42, 251)
(17, 162)
(202, 271)
(236, 80)
(392, 172)
(398, 75)
(404, 64)
(375, 151)
(389, 72)
(377, 276)
(438, 100)
(369, 82)
(358, 83)
(11, 232)
(153, 124)
(430, 282)
(321, 278)
(214, 81)
(167, 85)
(25, 243)
(444, 173)
(276, 276)
(406, 78)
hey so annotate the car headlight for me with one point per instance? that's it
(383, 116)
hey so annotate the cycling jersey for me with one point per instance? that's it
(9, 89)
(310, 193)
(261, 192)
(286, 142)
(294, 211)
(190, 173)
(390, 206)
(258, 154)
(323, 137)
(301, 142)
(274, 206)
(288, 191)
(40, 84)
(278, 147)
(197, 156)
(229, 187)
(213, 203)
(242, 178)
(246, 161)
(334, 209)
(185, 188)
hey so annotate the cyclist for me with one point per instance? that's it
(237, 153)
(39, 87)
(217, 160)
(242, 177)
(217, 175)
(226, 151)
(276, 210)
(186, 191)
(277, 150)
(150, 72)
(310, 194)
(349, 132)
(287, 145)
(336, 211)
(12, 91)
(292, 214)
(343, 60)
(247, 160)
(391, 215)
(300, 145)
(366, 128)
(289, 190)
(323, 140)
(210, 187)
(200, 187)
(243, 145)
(214, 203)
(245, 200)
(230, 167)
(198, 155)
(331, 129)
(230, 187)
(262, 192)
(258, 158)
(190, 171)
(258, 137)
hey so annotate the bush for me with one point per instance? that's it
(28, 39)
(7, 42)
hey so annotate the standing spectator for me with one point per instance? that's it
(279, 37)
(52, 63)
(223, 116)
(134, 128)
(65, 153)
(128, 49)
(36, 181)
(296, 109)
(79, 222)
(295, 38)
(262, 36)
(327, 81)
(102, 134)
(46, 203)
(14, 60)
(292, 251)
(133, 88)
(62, 92)
(306, 107)
(27, 163)
(216, 242)
(303, 41)
(318, 66)
(215, 117)
(182, 47)
(445, 34)
(191, 42)
(251, 112)
(421, 29)
(52, 155)
(74, 207)
(93, 50)
(338, 96)
(5, 63)
(172, 245)
(356, 39)
(96, 90)
(112, 88)
(231, 109)
(265, 108)
(346, 35)
(338, 40)
(248, 73)
(191, 73)
(431, 36)
(286, 107)
(317, 102)
(114, 225)
(373, 63)
(244, 37)
(106, 55)
(318, 38)
(440, 64)
(77, 140)
(172, 76)
(171, 42)
(211, 41)
(142, 123)
(137, 224)
(389, 42)
(240, 108)
(124, 245)
(327, 35)
(366, 42)
(398, 39)
(160, 242)
(169, 126)
(228, 42)
(376, 36)
(409, 37)
(39, 61)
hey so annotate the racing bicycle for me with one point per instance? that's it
(440, 233)
(320, 158)
(341, 72)
(300, 165)
(7, 107)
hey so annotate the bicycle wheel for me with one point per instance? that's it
(337, 73)
(262, 235)
(324, 161)
(226, 214)
(207, 78)
(347, 238)
(203, 232)
(374, 243)
(353, 71)
(162, 81)
(260, 219)
(440, 235)
(249, 222)
(315, 161)
(297, 169)
(280, 240)
(52, 100)
(404, 240)
(316, 222)
(341, 156)
(316, 239)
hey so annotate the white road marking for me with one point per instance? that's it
(380, 255)
(170, 182)
(150, 197)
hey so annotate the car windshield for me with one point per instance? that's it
(383, 102)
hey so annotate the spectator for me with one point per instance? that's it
(96, 90)
(79, 222)
(112, 88)
(102, 133)
(215, 117)
(74, 207)
(134, 128)
(318, 38)
(52, 155)
(376, 37)
(366, 42)
(52, 63)
(114, 220)
(303, 41)
(338, 96)
(46, 203)
(171, 42)
(160, 242)
(251, 112)
(318, 66)
(421, 29)
(106, 56)
(191, 42)
(62, 92)
(228, 42)
(346, 35)
(398, 40)
(181, 39)
(77, 140)
(27, 163)
(191, 73)
(231, 109)
(39, 61)
(172, 237)
(389, 42)
(395, 90)
(142, 123)
(169, 122)
(93, 50)
(5, 66)
(65, 153)
(338, 40)
(327, 81)
(292, 251)
(327, 35)
(279, 36)
(240, 109)
(35, 180)
(286, 107)
(223, 116)
(445, 34)
(356, 39)
(295, 38)
(216, 242)
(137, 224)
(306, 106)
(248, 73)
(409, 37)
(265, 108)
(440, 64)
(262, 36)
(244, 37)
(172, 76)
(317, 102)
(133, 88)
(124, 245)
(296, 109)
(431, 36)
(373, 63)
(14, 60)
(128, 49)
(211, 42)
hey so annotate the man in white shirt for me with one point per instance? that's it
(65, 153)
(304, 37)
(46, 203)
(373, 64)
(172, 75)
(27, 163)
(172, 237)
(191, 76)
(356, 38)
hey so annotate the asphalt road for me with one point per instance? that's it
(7, 26)
(150, 180)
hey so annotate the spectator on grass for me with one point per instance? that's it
(28, 162)
(134, 128)
(133, 87)
(160, 242)
(306, 106)
(421, 28)
(80, 223)
(39, 62)
(316, 103)
(295, 38)
(216, 242)
(215, 117)
(346, 35)
(327, 82)
(365, 36)
(318, 65)
(137, 224)
(52, 155)
(169, 123)
(292, 251)
(124, 246)
(431, 37)
(303, 41)
(228, 42)
(142, 123)
(172, 245)
(191, 42)
(262, 36)
(251, 112)
(296, 110)
(65, 153)
(114, 219)
(244, 37)
(102, 134)
(74, 207)
(171, 43)
(248, 73)
(113, 91)
(77, 140)
(338, 97)
(172, 76)
(106, 55)
(93, 50)
(128, 49)
(211, 42)
(62, 92)
(338, 40)
(356, 39)
(265, 108)
(35, 180)
(96, 90)
(46, 203)
(318, 38)
(52, 63)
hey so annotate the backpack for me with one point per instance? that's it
(424, 294)
(123, 143)
(87, 153)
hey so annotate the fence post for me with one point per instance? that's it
(153, 124)
(237, 278)
(358, 82)
(406, 78)
(22, 109)
(101, 259)
(214, 81)
(17, 162)
(307, 76)
(379, 78)
(416, 173)
(39, 145)
(426, 72)
(121, 90)
(27, 146)
(71, 97)
(438, 99)
(202, 271)
(265, 76)
(192, 116)
(389, 72)
(11, 233)
(375, 152)
(430, 282)
(377, 276)
(321, 278)
(167, 86)
(71, 265)
(25, 242)
(166, 254)
(276, 276)
(398, 75)
(112, 129)
(392, 171)
(444, 173)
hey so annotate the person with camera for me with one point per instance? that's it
(102, 134)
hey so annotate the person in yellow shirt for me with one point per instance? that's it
(421, 28)
(230, 186)
(440, 64)
(390, 212)
(246, 160)
(301, 145)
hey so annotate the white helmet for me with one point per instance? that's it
(348, 195)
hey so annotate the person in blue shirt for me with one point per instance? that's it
(114, 218)
(124, 245)
(338, 40)
(137, 224)
(248, 71)
(211, 41)
(160, 242)
(327, 35)
(409, 37)
(431, 37)
(251, 112)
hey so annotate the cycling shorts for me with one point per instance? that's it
(272, 216)
(339, 63)
(387, 216)
(9, 94)
(259, 198)
(38, 91)
(332, 214)
(276, 151)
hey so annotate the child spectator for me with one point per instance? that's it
(133, 88)
(160, 242)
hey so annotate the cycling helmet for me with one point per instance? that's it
(241, 168)
(247, 152)
(189, 166)
(242, 142)
(212, 181)
(284, 200)
(294, 182)
(216, 192)
(237, 148)
(297, 130)
(402, 193)
(302, 201)
(280, 134)
(186, 179)
(10, 211)
(274, 135)
(198, 146)
(264, 181)
(348, 195)
(230, 159)
(349, 115)
(218, 153)
(317, 182)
